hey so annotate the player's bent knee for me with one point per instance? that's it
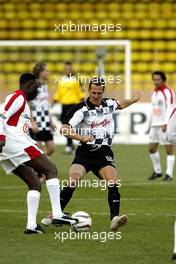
(50, 151)
(73, 184)
(35, 185)
(51, 172)
(152, 150)
(74, 179)
(170, 152)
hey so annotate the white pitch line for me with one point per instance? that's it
(146, 183)
(99, 199)
(12, 187)
(99, 187)
(96, 213)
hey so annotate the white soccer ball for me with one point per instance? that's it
(84, 223)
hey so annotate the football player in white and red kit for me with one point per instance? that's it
(163, 101)
(20, 155)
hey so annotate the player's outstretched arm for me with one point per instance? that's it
(127, 102)
(70, 132)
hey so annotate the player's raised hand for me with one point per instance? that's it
(136, 96)
(127, 102)
(88, 138)
(2, 144)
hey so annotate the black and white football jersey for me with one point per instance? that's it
(88, 119)
(40, 108)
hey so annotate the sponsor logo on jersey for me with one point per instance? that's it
(109, 158)
(26, 128)
(102, 123)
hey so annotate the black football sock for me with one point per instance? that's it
(114, 200)
(65, 196)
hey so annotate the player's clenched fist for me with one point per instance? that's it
(89, 138)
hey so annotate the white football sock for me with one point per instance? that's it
(170, 165)
(175, 237)
(33, 198)
(54, 194)
(155, 158)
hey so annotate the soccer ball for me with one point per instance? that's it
(84, 223)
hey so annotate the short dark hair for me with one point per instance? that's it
(99, 81)
(25, 77)
(161, 73)
(38, 68)
(68, 63)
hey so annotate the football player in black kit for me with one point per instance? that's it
(91, 123)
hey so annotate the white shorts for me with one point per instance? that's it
(156, 135)
(9, 165)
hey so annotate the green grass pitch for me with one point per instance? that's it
(147, 238)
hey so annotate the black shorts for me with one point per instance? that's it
(43, 135)
(94, 160)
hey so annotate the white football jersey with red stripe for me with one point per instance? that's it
(14, 125)
(163, 102)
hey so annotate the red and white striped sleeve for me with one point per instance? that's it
(10, 111)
